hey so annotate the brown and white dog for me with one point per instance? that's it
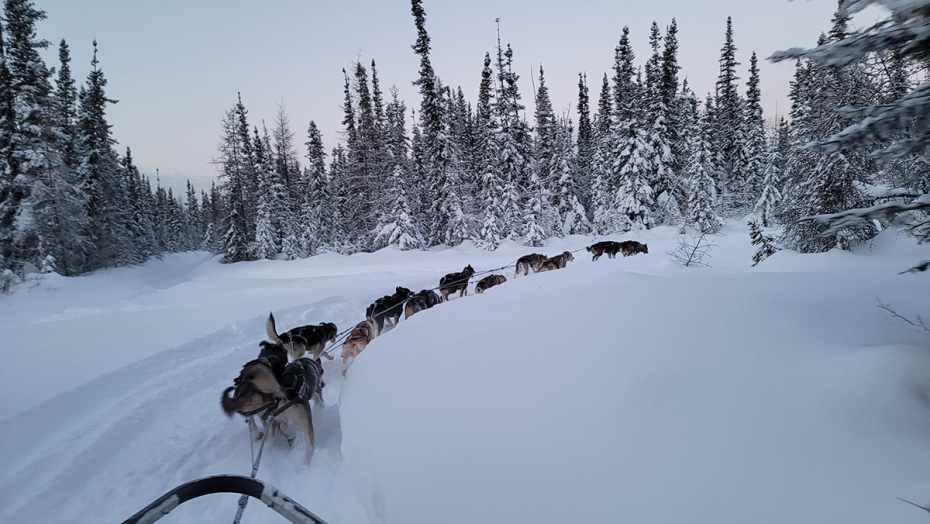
(609, 247)
(303, 339)
(632, 247)
(258, 388)
(362, 335)
(423, 300)
(557, 262)
(488, 282)
(528, 262)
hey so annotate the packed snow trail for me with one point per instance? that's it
(626, 389)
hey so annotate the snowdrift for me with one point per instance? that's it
(623, 390)
(599, 395)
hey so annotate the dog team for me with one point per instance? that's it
(288, 372)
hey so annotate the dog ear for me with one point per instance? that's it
(271, 330)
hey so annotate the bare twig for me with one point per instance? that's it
(917, 323)
(916, 505)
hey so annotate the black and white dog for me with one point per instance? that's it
(303, 339)
(456, 282)
(425, 299)
(388, 307)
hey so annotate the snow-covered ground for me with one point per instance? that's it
(623, 390)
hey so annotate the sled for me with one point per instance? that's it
(280, 503)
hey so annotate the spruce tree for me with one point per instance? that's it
(246, 168)
(107, 201)
(396, 225)
(765, 245)
(752, 150)
(728, 116)
(702, 201)
(585, 143)
(490, 227)
(31, 131)
(571, 213)
(65, 107)
(545, 125)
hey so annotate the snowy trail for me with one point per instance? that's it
(708, 404)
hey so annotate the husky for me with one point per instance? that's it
(388, 307)
(455, 282)
(303, 339)
(362, 335)
(632, 247)
(257, 389)
(557, 262)
(488, 282)
(609, 247)
(425, 299)
(528, 262)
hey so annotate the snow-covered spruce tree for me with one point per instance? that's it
(585, 143)
(633, 198)
(236, 240)
(430, 149)
(573, 217)
(767, 205)
(272, 214)
(765, 245)
(727, 118)
(352, 184)
(545, 125)
(396, 226)
(658, 153)
(368, 155)
(291, 248)
(8, 203)
(670, 198)
(545, 163)
(316, 201)
(823, 181)
(702, 203)
(513, 145)
(633, 161)
(30, 128)
(59, 206)
(283, 153)
(490, 227)
(906, 32)
(140, 219)
(604, 216)
(246, 167)
(340, 189)
(99, 172)
(451, 227)
(752, 160)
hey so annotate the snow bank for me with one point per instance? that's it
(600, 395)
(624, 388)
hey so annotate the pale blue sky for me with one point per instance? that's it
(176, 64)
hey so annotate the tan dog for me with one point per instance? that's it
(255, 388)
(557, 262)
(363, 333)
(488, 282)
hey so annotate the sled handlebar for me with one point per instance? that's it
(269, 495)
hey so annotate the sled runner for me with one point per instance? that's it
(274, 499)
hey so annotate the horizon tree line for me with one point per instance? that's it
(647, 152)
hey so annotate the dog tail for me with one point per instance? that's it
(272, 331)
(228, 403)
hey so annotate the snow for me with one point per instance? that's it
(622, 390)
